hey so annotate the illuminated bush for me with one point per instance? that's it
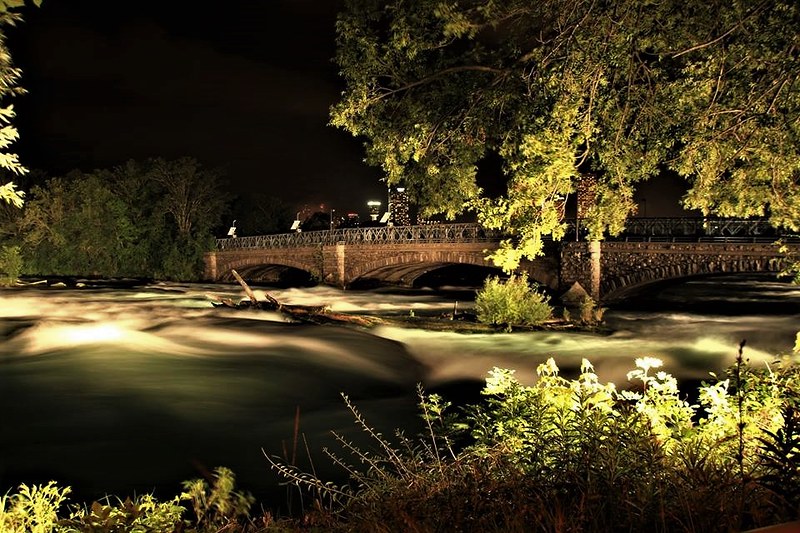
(511, 303)
(143, 513)
(580, 455)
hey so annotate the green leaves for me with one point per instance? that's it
(9, 76)
(10, 5)
(33, 509)
(150, 219)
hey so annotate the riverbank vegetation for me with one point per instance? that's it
(563, 454)
(150, 219)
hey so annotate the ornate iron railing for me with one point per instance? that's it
(429, 233)
(723, 227)
(682, 229)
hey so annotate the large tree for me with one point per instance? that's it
(192, 195)
(122, 222)
(561, 89)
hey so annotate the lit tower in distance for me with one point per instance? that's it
(587, 194)
(398, 207)
(374, 209)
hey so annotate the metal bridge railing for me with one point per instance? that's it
(724, 227)
(636, 229)
(429, 233)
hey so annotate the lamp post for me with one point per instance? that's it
(389, 201)
(333, 212)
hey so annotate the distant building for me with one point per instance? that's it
(399, 207)
(351, 220)
(305, 211)
(434, 219)
(587, 194)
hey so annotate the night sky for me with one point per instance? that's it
(245, 86)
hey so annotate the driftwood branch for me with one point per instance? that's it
(315, 314)
(247, 290)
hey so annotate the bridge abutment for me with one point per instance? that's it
(210, 270)
(333, 261)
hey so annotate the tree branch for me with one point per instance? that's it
(721, 37)
(432, 77)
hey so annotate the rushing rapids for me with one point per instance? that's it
(122, 390)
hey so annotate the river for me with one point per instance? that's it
(128, 390)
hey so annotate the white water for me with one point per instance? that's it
(129, 390)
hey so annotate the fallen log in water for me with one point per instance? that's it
(315, 314)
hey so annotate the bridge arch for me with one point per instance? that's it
(272, 274)
(407, 274)
(403, 267)
(250, 265)
(615, 287)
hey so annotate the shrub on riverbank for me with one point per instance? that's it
(203, 507)
(511, 303)
(560, 455)
(579, 455)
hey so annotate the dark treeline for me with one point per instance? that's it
(150, 219)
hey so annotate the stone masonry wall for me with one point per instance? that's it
(340, 264)
(575, 265)
(622, 264)
(628, 264)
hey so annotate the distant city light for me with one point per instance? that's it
(399, 212)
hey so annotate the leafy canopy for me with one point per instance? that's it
(9, 76)
(561, 89)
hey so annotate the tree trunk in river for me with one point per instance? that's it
(316, 314)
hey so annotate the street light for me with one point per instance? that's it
(333, 212)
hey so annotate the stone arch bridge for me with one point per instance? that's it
(399, 255)
(394, 255)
